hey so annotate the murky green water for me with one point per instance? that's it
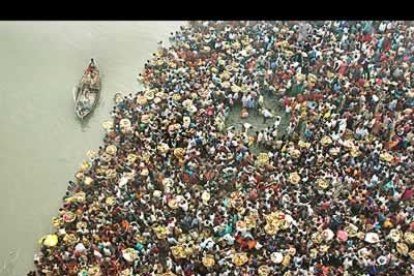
(41, 141)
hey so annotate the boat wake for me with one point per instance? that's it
(75, 92)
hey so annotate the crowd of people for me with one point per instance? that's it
(176, 191)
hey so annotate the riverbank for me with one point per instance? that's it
(42, 142)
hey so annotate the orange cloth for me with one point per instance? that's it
(125, 224)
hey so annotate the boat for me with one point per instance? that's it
(86, 93)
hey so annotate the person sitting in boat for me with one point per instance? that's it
(92, 79)
(92, 76)
(91, 67)
(92, 64)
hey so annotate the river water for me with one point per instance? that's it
(41, 141)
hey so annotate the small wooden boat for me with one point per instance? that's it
(86, 93)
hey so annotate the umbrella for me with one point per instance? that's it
(276, 257)
(205, 197)
(402, 248)
(328, 234)
(111, 150)
(371, 238)
(208, 260)
(107, 125)
(240, 259)
(129, 254)
(118, 98)
(49, 240)
(91, 154)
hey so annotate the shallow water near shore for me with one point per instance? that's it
(42, 143)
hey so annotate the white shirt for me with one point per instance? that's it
(277, 122)
(247, 125)
(80, 248)
(230, 135)
(266, 113)
(259, 137)
(382, 27)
